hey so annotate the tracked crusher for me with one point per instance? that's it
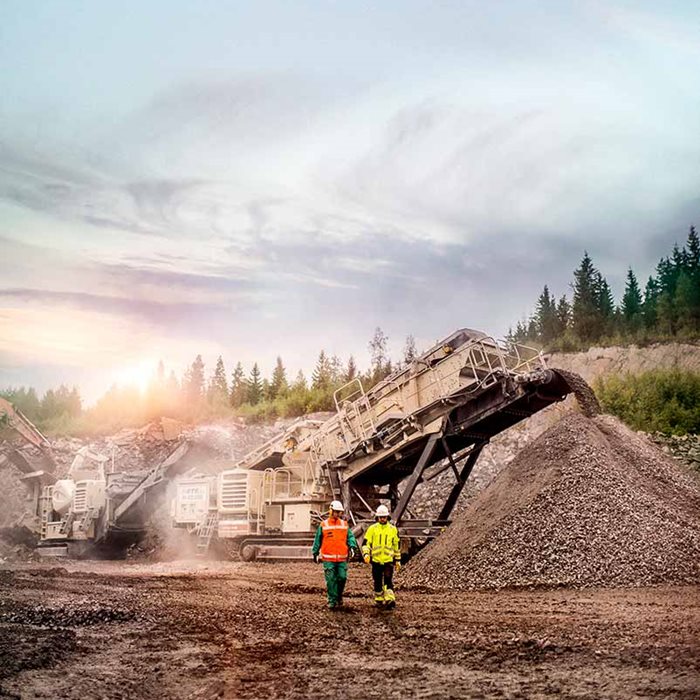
(436, 414)
(93, 509)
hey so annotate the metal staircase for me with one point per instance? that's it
(88, 518)
(205, 532)
(67, 523)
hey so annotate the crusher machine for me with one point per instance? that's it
(96, 509)
(436, 414)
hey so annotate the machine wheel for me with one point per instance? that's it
(249, 552)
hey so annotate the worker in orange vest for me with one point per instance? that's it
(335, 544)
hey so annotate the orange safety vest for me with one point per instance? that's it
(334, 540)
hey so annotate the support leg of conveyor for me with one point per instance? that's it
(415, 477)
(461, 481)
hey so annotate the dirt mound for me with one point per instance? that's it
(588, 503)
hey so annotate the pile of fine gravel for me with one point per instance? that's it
(589, 503)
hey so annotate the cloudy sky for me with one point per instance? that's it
(249, 179)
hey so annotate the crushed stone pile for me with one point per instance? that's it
(431, 493)
(589, 503)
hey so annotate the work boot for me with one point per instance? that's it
(332, 606)
(389, 597)
(379, 599)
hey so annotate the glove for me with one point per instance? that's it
(366, 558)
(315, 558)
(397, 567)
(351, 553)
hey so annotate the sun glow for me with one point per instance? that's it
(138, 374)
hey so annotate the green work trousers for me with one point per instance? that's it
(336, 574)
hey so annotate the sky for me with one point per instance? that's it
(253, 179)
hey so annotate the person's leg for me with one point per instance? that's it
(331, 583)
(341, 572)
(388, 575)
(377, 574)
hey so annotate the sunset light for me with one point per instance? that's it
(137, 375)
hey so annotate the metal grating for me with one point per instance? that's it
(80, 498)
(234, 491)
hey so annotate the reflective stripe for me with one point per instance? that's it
(382, 543)
(334, 540)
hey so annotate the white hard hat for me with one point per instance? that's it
(382, 511)
(337, 505)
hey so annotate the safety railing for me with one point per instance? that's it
(486, 359)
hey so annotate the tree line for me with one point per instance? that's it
(667, 308)
(199, 395)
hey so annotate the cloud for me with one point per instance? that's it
(660, 28)
(157, 313)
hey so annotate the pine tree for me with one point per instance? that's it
(687, 304)
(693, 248)
(217, 393)
(26, 400)
(689, 295)
(665, 314)
(381, 366)
(49, 405)
(278, 385)
(335, 367)
(679, 261)
(409, 350)
(239, 387)
(585, 313)
(632, 304)
(532, 330)
(255, 386)
(321, 377)
(520, 334)
(563, 316)
(351, 370)
(651, 298)
(606, 306)
(193, 383)
(299, 384)
(546, 322)
(666, 277)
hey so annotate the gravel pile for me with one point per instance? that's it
(430, 495)
(588, 503)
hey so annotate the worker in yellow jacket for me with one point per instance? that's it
(381, 549)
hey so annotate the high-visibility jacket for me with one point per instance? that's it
(333, 540)
(381, 543)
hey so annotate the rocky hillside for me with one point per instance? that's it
(598, 362)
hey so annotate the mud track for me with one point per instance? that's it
(99, 630)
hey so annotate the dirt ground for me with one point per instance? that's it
(234, 630)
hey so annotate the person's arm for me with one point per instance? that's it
(367, 544)
(317, 541)
(352, 542)
(396, 545)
